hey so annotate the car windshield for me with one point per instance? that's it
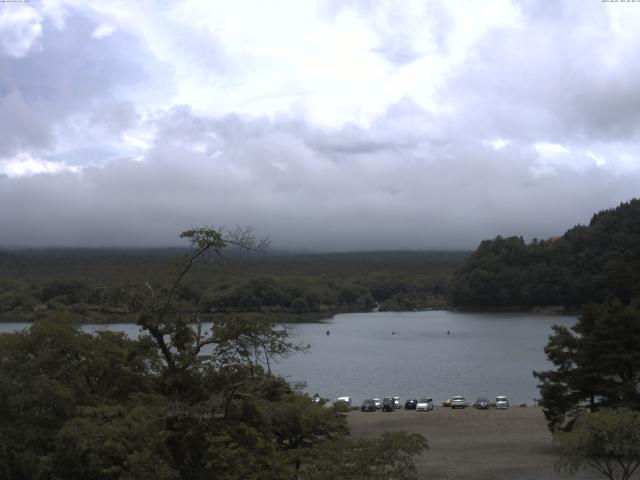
(423, 400)
(501, 399)
(482, 399)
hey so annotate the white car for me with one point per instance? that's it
(378, 403)
(346, 400)
(502, 402)
(424, 404)
(458, 402)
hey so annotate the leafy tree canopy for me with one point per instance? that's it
(387, 457)
(597, 363)
(587, 264)
(607, 441)
(181, 402)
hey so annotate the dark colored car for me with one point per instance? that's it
(410, 404)
(368, 406)
(387, 404)
(482, 403)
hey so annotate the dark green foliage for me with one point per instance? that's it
(387, 457)
(66, 291)
(597, 364)
(592, 263)
(20, 298)
(49, 373)
(607, 441)
(33, 283)
(76, 406)
(179, 403)
(123, 441)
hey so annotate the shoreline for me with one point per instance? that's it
(293, 318)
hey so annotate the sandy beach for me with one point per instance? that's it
(470, 444)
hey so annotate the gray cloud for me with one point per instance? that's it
(560, 76)
(20, 29)
(280, 177)
(412, 178)
(22, 125)
(74, 81)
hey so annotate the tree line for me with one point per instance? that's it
(591, 263)
(289, 286)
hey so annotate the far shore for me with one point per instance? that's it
(283, 317)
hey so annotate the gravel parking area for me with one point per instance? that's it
(470, 444)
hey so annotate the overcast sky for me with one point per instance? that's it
(325, 124)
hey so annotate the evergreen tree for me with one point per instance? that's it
(597, 364)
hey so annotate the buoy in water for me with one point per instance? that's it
(328, 332)
(448, 332)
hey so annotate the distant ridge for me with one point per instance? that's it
(373, 255)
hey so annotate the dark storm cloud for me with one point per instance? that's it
(279, 177)
(533, 131)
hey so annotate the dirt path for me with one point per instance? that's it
(472, 444)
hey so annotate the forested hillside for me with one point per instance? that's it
(587, 264)
(295, 287)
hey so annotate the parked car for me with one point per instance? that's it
(396, 402)
(482, 403)
(458, 402)
(378, 403)
(502, 402)
(368, 406)
(388, 405)
(424, 404)
(346, 400)
(410, 404)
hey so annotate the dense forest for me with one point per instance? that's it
(290, 287)
(591, 263)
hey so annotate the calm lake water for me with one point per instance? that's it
(485, 354)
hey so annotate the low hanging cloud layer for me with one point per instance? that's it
(346, 126)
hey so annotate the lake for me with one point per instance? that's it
(485, 354)
(411, 355)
